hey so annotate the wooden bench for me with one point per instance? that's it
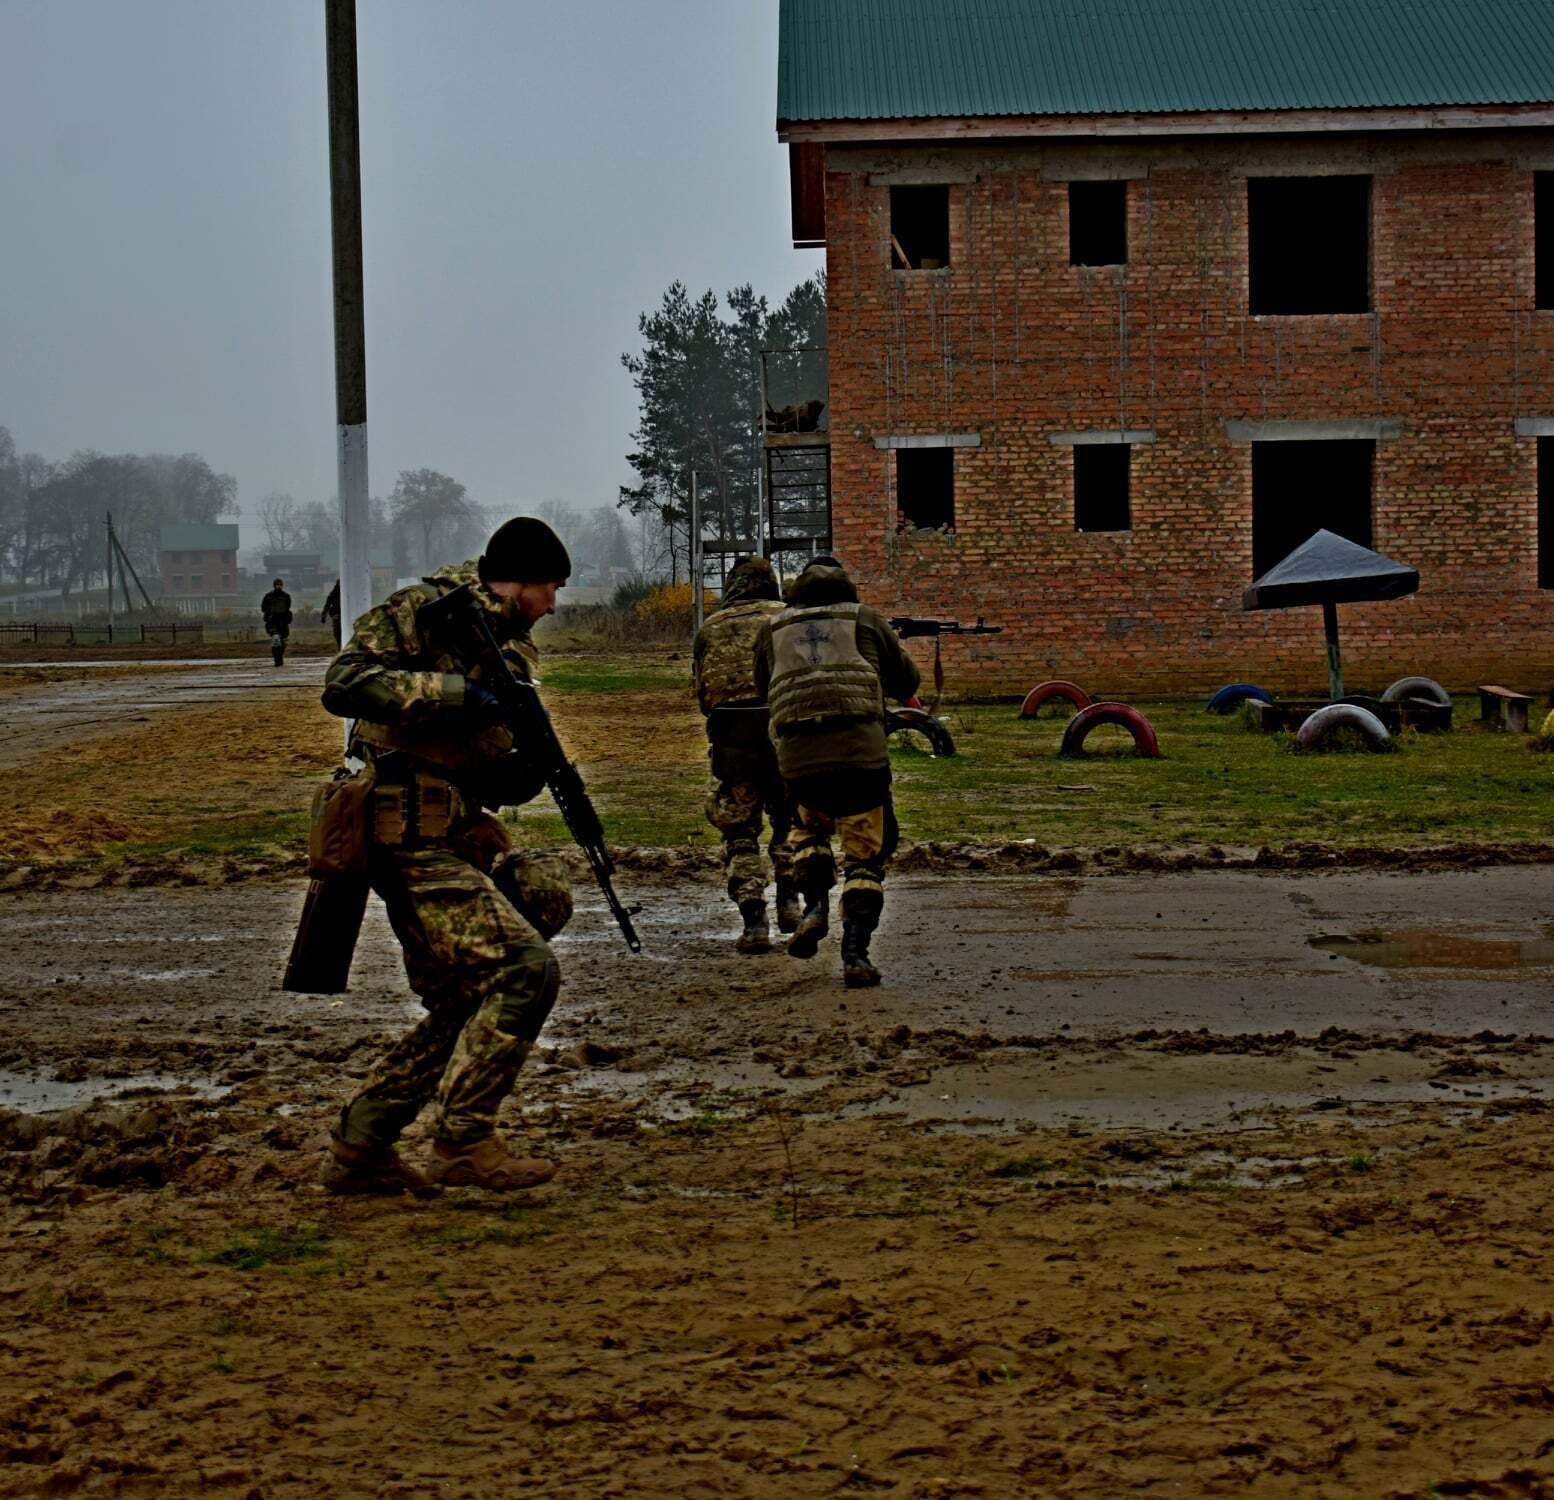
(1510, 708)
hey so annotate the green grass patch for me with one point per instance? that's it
(274, 1247)
(1218, 783)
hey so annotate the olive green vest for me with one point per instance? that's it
(819, 672)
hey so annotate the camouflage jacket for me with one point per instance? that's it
(407, 693)
(723, 659)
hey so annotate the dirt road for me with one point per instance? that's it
(1183, 1184)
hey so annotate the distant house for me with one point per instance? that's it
(303, 572)
(1126, 300)
(195, 558)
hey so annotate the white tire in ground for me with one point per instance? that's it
(1325, 722)
(1417, 687)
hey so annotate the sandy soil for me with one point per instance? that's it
(1119, 1184)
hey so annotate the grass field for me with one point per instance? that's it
(632, 725)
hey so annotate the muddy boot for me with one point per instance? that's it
(813, 926)
(790, 909)
(755, 938)
(486, 1163)
(368, 1169)
(857, 972)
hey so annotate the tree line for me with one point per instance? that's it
(698, 380)
(429, 520)
(51, 514)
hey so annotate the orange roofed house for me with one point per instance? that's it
(1127, 300)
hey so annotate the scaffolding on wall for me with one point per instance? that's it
(785, 515)
(795, 427)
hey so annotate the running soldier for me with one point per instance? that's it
(825, 666)
(745, 779)
(275, 608)
(472, 914)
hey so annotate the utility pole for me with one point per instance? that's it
(345, 203)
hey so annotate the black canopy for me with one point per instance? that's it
(1329, 569)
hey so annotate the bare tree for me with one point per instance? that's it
(282, 520)
(436, 518)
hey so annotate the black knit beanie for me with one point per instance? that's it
(525, 550)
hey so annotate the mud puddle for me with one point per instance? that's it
(34, 1093)
(1424, 949)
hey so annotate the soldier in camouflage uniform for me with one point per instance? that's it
(825, 666)
(745, 779)
(472, 915)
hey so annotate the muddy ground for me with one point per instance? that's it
(1183, 1184)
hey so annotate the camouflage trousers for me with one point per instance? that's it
(472, 917)
(856, 809)
(735, 809)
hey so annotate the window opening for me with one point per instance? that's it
(925, 489)
(1543, 238)
(1308, 244)
(1546, 513)
(1097, 223)
(1301, 488)
(920, 228)
(1101, 486)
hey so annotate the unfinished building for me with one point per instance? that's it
(1125, 303)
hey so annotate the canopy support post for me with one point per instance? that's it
(1335, 669)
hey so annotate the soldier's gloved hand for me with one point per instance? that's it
(483, 706)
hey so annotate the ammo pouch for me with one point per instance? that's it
(340, 833)
(411, 806)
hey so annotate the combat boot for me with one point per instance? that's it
(790, 910)
(857, 972)
(813, 926)
(755, 938)
(371, 1169)
(486, 1163)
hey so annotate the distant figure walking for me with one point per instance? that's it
(330, 614)
(276, 609)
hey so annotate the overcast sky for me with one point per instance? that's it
(534, 176)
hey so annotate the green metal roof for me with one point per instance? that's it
(947, 59)
(194, 536)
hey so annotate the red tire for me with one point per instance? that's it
(1121, 714)
(1044, 692)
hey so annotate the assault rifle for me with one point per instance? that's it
(907, 626)
(534, 731)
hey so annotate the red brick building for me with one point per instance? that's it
(195, 559)
(1119, 315)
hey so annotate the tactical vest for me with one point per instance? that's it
(727, 663)
(819, 672)
(452, 748)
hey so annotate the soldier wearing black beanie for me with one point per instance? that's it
(525, 550)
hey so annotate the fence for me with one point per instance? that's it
(171, 633)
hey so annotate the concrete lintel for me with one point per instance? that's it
(923, 177)
(1379, 429)
(1535, 427)
(931, 440)
(1099, 435)
(1092, 167)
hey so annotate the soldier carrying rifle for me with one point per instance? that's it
(437, 726)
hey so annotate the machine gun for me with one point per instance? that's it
(534, 731)
(908, 626)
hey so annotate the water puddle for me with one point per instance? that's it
(33, 1094)
(1419, 948)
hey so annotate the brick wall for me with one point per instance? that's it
(1014, 344)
